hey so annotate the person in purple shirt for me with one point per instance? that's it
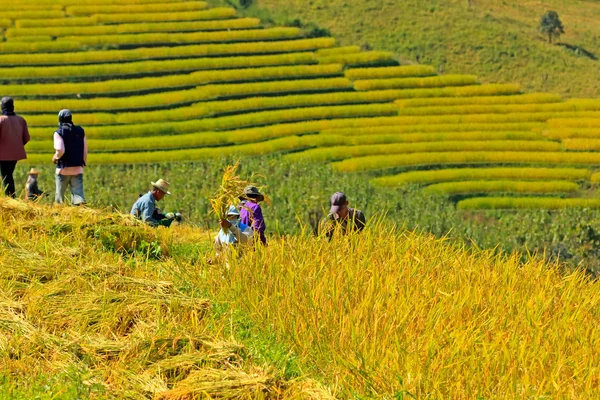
(251, 213)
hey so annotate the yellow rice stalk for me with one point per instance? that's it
(213, 13)
(473, 157)
(581, 144)
(172, 53)
(29, 39)
(572, 133)
(548, 203)
(575, 123)
(136, 8)
(460, 174)
(365, 58)
(502, 186)
(57, 22)
(39, 47)
(192, 37)
(390, 72)
(232, 186)
(481, 100)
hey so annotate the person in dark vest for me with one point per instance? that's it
(14, 135)
(70, 158)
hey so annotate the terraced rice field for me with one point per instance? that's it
(201, 82)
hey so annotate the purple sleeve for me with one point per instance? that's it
(258, 222)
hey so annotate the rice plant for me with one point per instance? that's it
(481, 100)
(548, 203)
(503, 186)
(218, 25)
(390, 72)
(347, 152)
(462, 174)
(473, 157)
(135, 8)
(188, 37)
(211, 14)
(406, 83)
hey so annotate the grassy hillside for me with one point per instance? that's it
(202, 83)
(496, 40)
(94, 305)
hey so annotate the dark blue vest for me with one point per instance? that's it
(73, 137)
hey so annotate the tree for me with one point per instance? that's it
(551, 25)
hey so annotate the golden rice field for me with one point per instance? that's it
(115, 309)
(201, 82)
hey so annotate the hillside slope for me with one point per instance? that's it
(94, 305)
(498, 41)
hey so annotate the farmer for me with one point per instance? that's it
(251, 213)
(14, 135)
(145, 206)
(233, 231)
(342, 217)
(70, 158)
(32, 191)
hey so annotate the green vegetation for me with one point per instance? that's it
(497, 41)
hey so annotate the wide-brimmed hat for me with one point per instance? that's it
(253, 192)
(338, 201)
(34, 171)
(162, 185)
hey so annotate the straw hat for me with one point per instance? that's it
(34, 171)
(162, 185)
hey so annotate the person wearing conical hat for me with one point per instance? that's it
(70, 158)
(32, 191)
(145, 206)
(251, 213)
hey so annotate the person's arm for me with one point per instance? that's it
(59, 146)
(147, 213)
(85, 150)
(258, 224)
(360, 221)
(26, 136)
(243, 236)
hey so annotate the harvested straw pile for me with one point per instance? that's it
(72, 300)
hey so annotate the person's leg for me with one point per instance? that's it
(77, 195)
(7, 168)
(61, 187)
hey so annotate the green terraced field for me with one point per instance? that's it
(201, 82)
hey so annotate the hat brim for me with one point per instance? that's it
(335, 209)
(159, 188)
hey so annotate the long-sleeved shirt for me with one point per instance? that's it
(236, 235)
(59, 146)
(145, 208)
(251, 215)
(14, 135)
(355, 221)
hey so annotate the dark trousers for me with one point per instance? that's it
(8, 182)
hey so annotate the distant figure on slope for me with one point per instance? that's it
(32, 191)
(341, 217)
(145, 206)
(251, 213)
(70, 158)
(233, 231)
(14, 135)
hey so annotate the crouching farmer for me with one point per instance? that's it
(32, 190)
(145, 206)
(233, 232)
